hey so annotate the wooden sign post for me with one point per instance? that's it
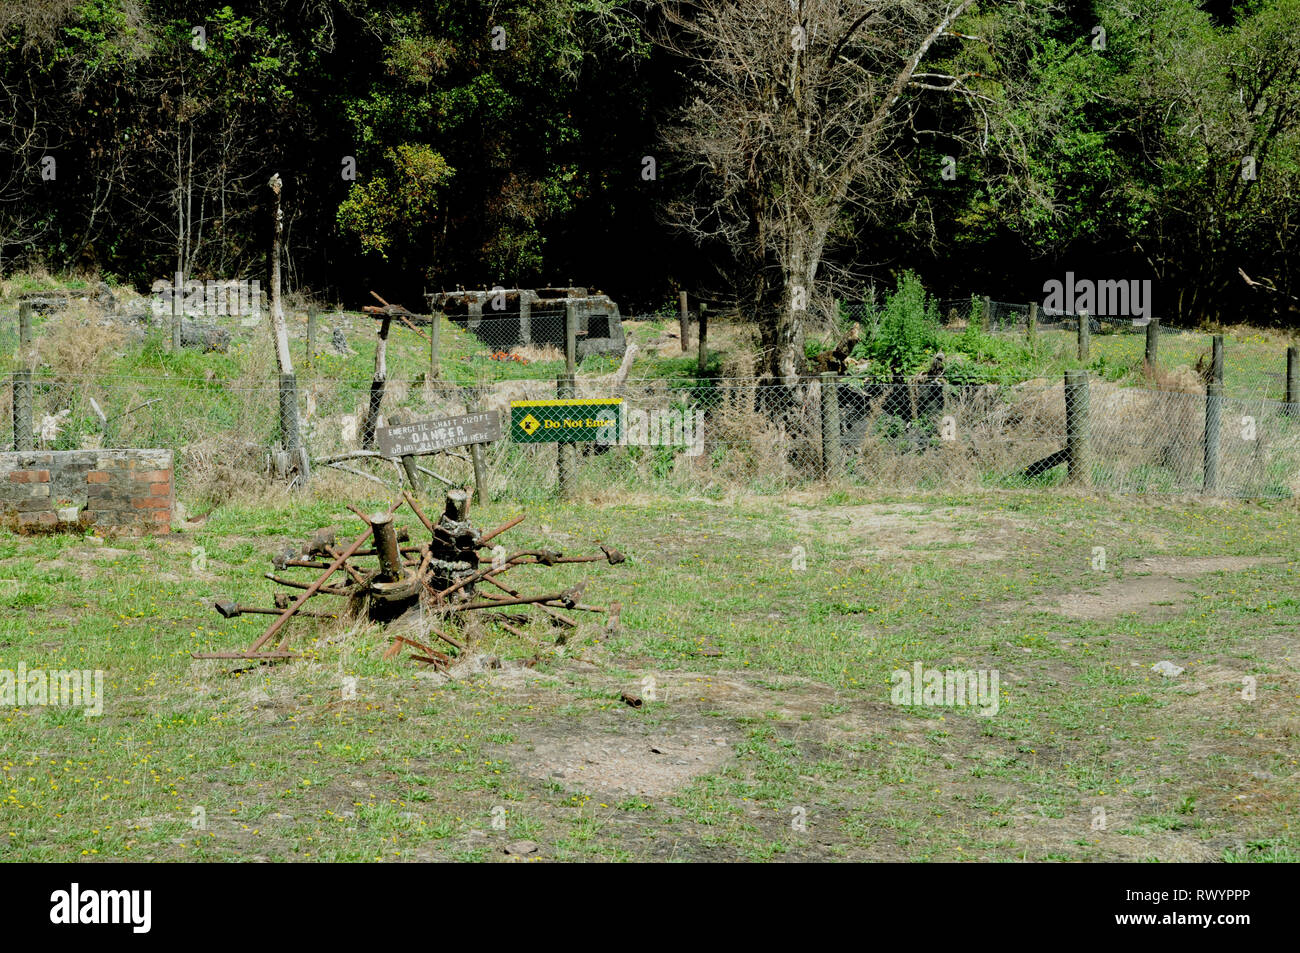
(433, 436)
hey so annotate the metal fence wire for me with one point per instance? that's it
(700, 435)
(713, 435)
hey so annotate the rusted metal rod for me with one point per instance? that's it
(446, 638)
(476, 576)
(488, 537)
(294, 584)
(359, 579)
(510, 628)
(410, 500)
(553, 613)
(231, 612)
(521, 601)
(343, 557)
(251, 656)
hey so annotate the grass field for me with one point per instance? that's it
(771, 733)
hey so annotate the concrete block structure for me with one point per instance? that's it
(513, 317)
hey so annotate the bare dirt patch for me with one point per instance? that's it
(1161, 585)
(889, 529)
(650, 766)
(620, 752)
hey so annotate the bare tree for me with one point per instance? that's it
(797, 106)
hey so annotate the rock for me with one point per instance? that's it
(104, 298)
(1167, 669)
(204, 337)
(520, 848)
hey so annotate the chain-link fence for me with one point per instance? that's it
(220, 413)
(715, 435)
(1254, 369)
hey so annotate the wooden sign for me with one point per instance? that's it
(430, 436)
(565, 421)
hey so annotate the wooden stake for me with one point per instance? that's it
(683, 320)
(377, 386)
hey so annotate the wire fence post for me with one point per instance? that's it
(1216, 359)
(564, 449)
(1293, 381)
(476, 454)
(1085, 336)
(1031, 326)
(22, 382)
(986, 314)
(1153, 341)
(704, 333)
(683, 320)
(1077, 450)
(832, 452)
(25, 330)
(289, 428)
(435, 327)
(571, 338)
(1213, 423)
(178, 309)
(311, 334)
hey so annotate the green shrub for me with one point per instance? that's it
(904, 332)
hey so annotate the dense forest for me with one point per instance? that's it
(766, 153)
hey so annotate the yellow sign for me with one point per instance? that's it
(591, 419)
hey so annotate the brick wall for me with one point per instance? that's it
(117, 491)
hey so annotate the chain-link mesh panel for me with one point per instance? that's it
(702, 435)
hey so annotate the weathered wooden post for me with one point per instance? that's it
(377, 384)
(683, 320)
(564, 388)
(1085, 336)
(311, 334)
(571, 337)
(986, 314)
(457, 506)
(22, 381)
(408, 461)
(25, 329)
(1153, 341)
(1216, 359)
(178, 303)
(290, 432)
(704, 333)
(1078, 452)
(832, 451)
(435, 358)
(1293, 381)
(1213, 426)
(480, 465)
(390, 559)
(1031, 327)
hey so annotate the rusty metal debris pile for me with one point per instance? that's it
(438, 581)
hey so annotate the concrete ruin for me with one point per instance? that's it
(512, 317)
